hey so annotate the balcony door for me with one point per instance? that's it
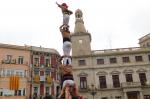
(132, 95)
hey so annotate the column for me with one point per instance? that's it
(125, 95)
(141, 95)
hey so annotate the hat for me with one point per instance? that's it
(65, 5)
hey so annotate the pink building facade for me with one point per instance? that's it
(14, 61)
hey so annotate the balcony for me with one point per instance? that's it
(83, 89)
(48, 79)
(47, 65)
(36, 65)
(130, 84)
(108, 87)
(36, 79)
(13, 61)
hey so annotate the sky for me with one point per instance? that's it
(112, 23)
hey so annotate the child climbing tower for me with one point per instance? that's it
(69, 89)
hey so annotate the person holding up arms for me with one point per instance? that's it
(66, 13)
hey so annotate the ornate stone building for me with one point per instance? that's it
(44, 72)
(122, 73)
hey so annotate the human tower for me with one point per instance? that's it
(69, 89)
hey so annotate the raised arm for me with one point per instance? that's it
(63, 7)
(58, 4)
(70, 12)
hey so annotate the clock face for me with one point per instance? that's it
(80, 41)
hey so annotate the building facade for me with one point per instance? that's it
(14, 71)
(122, 73)
(45, 79)
(28, 72)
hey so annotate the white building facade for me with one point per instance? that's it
(122, 73)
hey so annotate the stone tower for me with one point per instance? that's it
(81, 39)
(145, 41)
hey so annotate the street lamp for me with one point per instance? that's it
(93, 90)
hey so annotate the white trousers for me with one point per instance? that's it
(66, 18)
(69, 82)
(66, 61)
(67, 48)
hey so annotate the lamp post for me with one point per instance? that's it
(93, 90)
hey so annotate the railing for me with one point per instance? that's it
(83, 89)
(108, 86)
(13, 61)
(130, 84)
(48, 79)
(37, 79)
(117, 50)
(38, 65)
(47, 65)
(111, 87)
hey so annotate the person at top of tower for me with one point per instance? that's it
(66, 40)
(66, 13)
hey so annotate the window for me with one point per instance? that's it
(83, 83)
(113, 60)
(125, 59)
(47, 72)
(36, 61)
(149, 57)
(41, 73)
(19, 92)
(116, 82)
(81, 62)
(20, 60)
(8, 72)
(102, 81)
(100, 61)
(138, 58)
(36, 90)
(36, 72)
(47, 90)
(20, 73)
(47, 62)
(129, 78)
(24, 91)
(118, 97)
(80, 41)
(15, 94)
(78, 15)
(146, 96)
(9, 57)
(12, 72)
(148, 44)
(1, 92)
(142, 77)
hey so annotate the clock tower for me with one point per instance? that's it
(81, 39)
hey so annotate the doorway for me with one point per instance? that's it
(132, 95)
